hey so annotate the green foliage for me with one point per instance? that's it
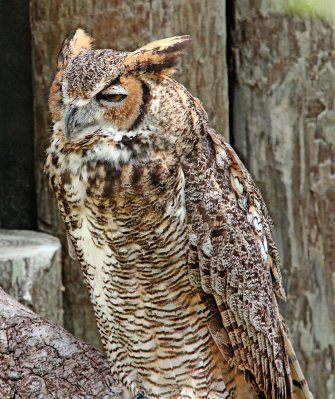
(312, 8)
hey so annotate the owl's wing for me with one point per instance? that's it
(233, 258)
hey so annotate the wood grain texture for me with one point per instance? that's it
(122, 25)
(41, 360)
(31, 271)
(283, 128)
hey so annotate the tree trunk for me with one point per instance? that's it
(42, 360)
(122, 25)
(283, 128)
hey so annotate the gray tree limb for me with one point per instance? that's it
(39, 359)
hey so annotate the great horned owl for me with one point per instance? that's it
(172, 234)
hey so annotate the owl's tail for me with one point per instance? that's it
(300, 386)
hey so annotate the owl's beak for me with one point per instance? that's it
(70, 121)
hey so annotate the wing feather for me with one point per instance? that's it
(233, 257)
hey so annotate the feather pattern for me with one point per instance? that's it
(233, 257)
(172, 235)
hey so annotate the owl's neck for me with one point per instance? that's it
(115, 150)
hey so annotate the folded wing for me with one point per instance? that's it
(234, 259)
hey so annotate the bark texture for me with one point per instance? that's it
(122, 25)
(283, 128)
(41, 360)
(30, 270)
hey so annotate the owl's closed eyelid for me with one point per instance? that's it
(114, 89)
(111, 83)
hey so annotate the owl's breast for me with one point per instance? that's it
(128, 227)
(108, 178)
(122, 204)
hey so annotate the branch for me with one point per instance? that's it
(39, 359)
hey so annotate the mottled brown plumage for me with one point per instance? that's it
(172, 234)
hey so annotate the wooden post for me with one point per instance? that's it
(283, 129)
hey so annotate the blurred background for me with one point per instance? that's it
(265, 72)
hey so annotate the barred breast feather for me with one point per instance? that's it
(129, 233)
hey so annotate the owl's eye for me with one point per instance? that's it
(112, 97)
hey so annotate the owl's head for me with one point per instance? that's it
(119, 93)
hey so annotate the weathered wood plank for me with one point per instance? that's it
(283, 128)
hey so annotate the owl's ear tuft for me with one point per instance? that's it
(160, 56)
(73, 44)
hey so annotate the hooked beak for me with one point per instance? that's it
(70, 122)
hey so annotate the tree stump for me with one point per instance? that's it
(30, 270)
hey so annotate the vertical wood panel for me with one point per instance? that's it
(122, 25)
(283, 128)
